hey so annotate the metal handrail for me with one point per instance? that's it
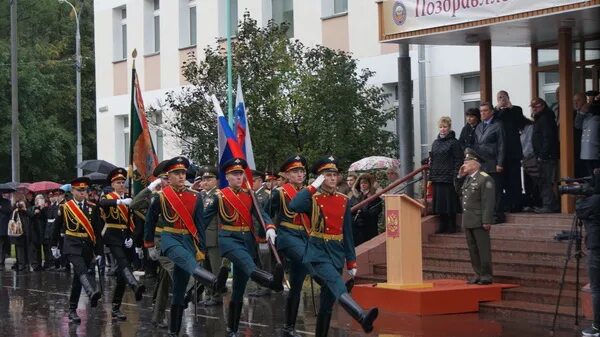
(399, 181)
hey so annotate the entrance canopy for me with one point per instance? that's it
(510, 23)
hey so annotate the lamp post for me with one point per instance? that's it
(78, 76)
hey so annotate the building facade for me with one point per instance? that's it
(164, 32)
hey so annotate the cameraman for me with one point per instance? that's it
(588, 211)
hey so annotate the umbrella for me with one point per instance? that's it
(96, 165)
(8, 187)
(373, 163)
(43, 186)
(66, 188)
(97, 178)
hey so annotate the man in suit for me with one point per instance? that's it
(490, 145)
(477, 192)
(513, 121)
(82, 243)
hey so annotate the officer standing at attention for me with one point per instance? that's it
(477, 192)
(237, 242)
(330, 244)
(82, 244)
(116, 234)
(182, 237)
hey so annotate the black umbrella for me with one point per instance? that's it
(8, 187)
(97, 178)
(96, 165)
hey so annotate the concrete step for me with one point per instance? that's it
(540, 268)
(520, 311)
(540, 295)
(540, 219)
(504, 243)
(523, 279)
(521, 253)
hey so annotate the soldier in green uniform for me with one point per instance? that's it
(292, 235)
(237, 241)
(117, 235)
(82, 245)
(330, 244)
(182, 237)
(477, 192)
(214, 262)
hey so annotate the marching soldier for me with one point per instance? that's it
(116, 234)
(330, 243)
(215, 261)
(82, 244)
(292, 235)
(237, 242)
(182, 237)
(477, 192)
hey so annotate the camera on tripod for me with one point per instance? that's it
(580, 186)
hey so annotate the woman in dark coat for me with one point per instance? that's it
(445, 159)
(364, 224)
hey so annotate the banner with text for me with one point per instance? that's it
(401, 16)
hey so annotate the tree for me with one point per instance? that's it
(308, 100)
(46, 60)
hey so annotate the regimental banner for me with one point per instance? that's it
(402, 16)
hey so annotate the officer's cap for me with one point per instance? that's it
(80, 183)
(292, 163)
(176, 164)
(234, 165)
(118, 173)
(325, 164)
(470, 154)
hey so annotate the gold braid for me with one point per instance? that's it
(70, 218)
(165, 211)
(223, 212)
(317, 226)
(286, 211)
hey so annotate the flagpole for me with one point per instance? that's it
(131, 144)
(229, 67)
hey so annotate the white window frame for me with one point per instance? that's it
(223, 18)
(278, 5)
(156, 25)
(337, 10)
(467, 97)
(123, 32)
(193, 26)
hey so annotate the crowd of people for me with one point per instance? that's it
(510, 143)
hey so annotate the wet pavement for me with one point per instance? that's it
(35, 304)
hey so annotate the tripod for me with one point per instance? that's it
(575, 237)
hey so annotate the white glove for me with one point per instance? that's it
(153, 253)
(317, 183)
(271, 235)
(139, 252)
(352, 272)
(128, 243)
(126, 201)
(154, 184)
(55, 252)
(99, 259)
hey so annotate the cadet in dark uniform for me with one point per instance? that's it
(477, 192)
(292, 235)
(215, 263)
(182, 238)
(82, 243)
(237, 242)
(330, 244)
(116, 234)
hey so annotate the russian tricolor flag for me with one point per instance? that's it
(227, 142)
(242, 131)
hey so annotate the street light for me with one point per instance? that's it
(78, 73)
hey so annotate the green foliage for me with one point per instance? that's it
(308, 100)
(46, 70)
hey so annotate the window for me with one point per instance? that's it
(223, 16)
(122, 138)
(193, 26)
(470, 92)
(283, 12)
(156, 24)
(123, 35)
(340, 6)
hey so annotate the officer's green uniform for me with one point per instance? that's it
(237, 242)
(181, 211)
(329, 246)
(477, 193)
